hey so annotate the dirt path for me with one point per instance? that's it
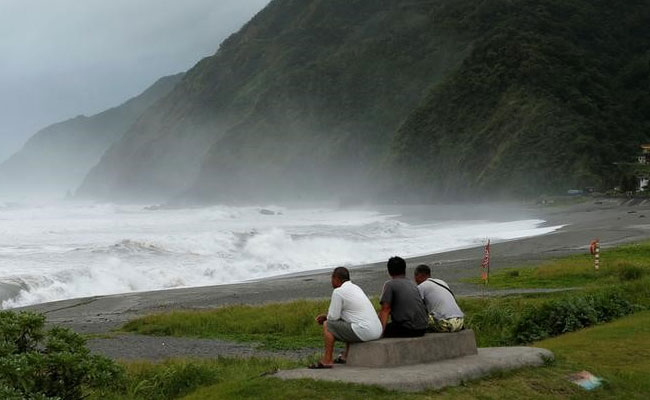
(139, 347)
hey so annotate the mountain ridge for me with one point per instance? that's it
(57, 158)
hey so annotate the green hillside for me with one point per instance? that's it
(445, 98)
(553, 93)
(303, 100)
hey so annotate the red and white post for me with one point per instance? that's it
(594, 248)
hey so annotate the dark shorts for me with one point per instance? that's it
(342, 331)
(394, 330)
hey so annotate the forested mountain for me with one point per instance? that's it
(303, 101)
(56, 159)
(444, 98)
(551, 96)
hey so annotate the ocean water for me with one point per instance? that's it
(67, 250)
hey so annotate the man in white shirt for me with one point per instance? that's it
(351, 318)
(444, 313)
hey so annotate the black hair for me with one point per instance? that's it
(396, 266)
(342, 273)
(423, 269)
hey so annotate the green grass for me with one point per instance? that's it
(497, 321)
(291, 325)
(618, 266)
(617, 351)
(274, 326)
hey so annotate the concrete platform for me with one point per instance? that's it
(395, 352)
(437, 375)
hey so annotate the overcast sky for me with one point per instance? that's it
(62, 58)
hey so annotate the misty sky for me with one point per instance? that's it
(62, 58)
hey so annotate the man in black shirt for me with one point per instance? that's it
(402, 301)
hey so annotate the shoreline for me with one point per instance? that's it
(610, 221)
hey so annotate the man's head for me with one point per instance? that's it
(396, 266)
(340, 275)
(422, 273)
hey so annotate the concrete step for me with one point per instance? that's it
(436, 375)
(395, 352)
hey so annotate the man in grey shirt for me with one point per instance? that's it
(444, 313)
(402, 301)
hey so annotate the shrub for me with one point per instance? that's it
(54, 364)
(492, 324)
(569, 314)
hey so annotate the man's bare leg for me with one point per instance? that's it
(347, 350)
(329, 340)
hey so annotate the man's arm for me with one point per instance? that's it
(336, 304)
(383, 314)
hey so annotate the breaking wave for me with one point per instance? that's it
(64, 251)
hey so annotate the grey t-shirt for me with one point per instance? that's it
(406, 306)
(439, 301)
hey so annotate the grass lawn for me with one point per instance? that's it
(618, 265)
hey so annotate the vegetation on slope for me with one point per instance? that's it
(449, 98)
(553, 93)
(304, 99)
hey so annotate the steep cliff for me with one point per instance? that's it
(302, 102)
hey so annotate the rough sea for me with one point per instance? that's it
(69, 250)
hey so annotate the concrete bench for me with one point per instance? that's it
(394, 352)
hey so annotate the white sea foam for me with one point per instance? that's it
(65, 251)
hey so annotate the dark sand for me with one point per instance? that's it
(614, 223)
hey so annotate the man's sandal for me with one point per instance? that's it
(319, 365)
(340, 359)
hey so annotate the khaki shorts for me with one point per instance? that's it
(445, 325)
(342, 331)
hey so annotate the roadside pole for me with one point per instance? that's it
(594, 248)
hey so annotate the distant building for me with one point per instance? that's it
(644, 159)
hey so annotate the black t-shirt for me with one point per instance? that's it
(406, 306)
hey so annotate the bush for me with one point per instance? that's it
(569, 314)
(492, 324)
(54, 364)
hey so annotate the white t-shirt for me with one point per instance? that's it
(351, 304)
(439, 301)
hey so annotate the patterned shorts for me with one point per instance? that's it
(445, 325)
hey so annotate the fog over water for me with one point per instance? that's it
(61, 251)
(68, 57)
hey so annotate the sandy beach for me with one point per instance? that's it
(612, 221)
